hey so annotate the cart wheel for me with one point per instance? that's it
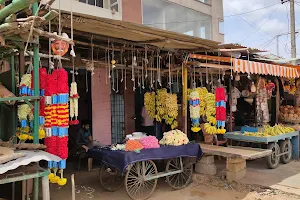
(286, 147)
(180, 180)
(110, 178)
(273, 159)
(136, 186)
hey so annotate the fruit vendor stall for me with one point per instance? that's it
(283, 141)
(133, 163)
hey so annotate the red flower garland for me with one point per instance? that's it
(220, 94)
(51, 86)
(43, 77)
(62, 78)
(62, 147)
(42, 106)
(51, 142)
(221, 114)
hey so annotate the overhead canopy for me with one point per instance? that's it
(251, 67)
(137, 33)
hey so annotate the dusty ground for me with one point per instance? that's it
(202, 188)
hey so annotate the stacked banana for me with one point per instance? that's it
(271, 131)
(210, 129)
(160, 104)
(171, 110)
(149, 102)
(210, 105)
(212, 120)
(202, 94)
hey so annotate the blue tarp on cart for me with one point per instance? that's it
(121, 159)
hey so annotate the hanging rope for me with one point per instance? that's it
(122, 73)
(170, 81)
(206, 70)
(108, 61)
(72, 53)
(117, 79)
(31, 28)
(106, 66)
(59, 33)
(51, 64)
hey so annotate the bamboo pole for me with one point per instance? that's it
(36, 63)
(15, 7)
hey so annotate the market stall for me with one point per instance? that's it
(254, 95)
(136, 161)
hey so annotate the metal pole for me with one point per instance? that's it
(293, 31)
(36, 63)
(277, 44)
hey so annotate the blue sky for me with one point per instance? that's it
(258, 29)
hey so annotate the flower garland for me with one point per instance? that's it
(174, 138)
(149, 102)
(149, 142)
(74, 104)
(221, 110)
(133, 145)
(195, 110)
(25, 85)
(56, 122)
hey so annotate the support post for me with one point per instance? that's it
(184, 96)
(13, 90)
(293, 31)
(36, 63)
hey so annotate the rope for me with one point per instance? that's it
(31, 28)
(72, 53)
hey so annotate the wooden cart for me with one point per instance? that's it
(141, 177)
(284, 147)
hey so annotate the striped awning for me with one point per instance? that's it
(251, 67)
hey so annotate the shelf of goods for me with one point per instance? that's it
(283, 141)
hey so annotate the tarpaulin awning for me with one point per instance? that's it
(251, 67)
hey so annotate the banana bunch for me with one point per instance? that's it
(171, 105)
(271, 131)
(210, 129)
(256, 134)
(149, 102)
(160, 104)
(202, 94)
(212, 120)
(210, 105)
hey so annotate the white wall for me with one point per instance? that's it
(215, 10)
(86, 9)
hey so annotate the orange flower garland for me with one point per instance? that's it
(133, 145)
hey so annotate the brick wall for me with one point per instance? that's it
(101, 107)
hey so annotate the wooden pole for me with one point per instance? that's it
(15, 7)
(184, 97)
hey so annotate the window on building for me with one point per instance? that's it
(168, 16)
(98, 3)
(114, 4)
(205, 1)
(221, 26)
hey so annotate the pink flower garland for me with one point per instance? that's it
(149, 142)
